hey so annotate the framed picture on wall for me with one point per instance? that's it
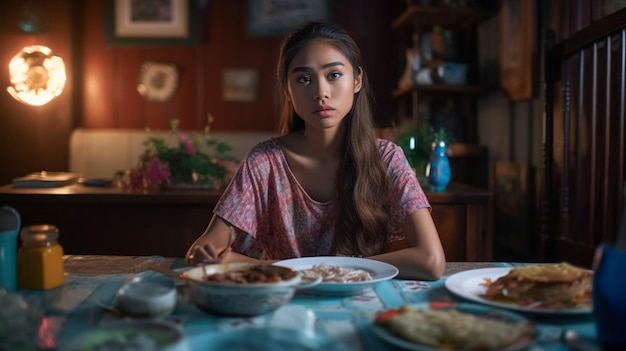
(151, 22)
(277, 17)
(240, 85)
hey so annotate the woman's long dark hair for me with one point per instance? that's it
(362, 179)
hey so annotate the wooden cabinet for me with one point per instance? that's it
(112, 221)
(463, 217)
(439, 80)
(115, 221)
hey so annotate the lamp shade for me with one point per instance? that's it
(37, 76)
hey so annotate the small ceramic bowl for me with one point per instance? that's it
(242, 299)
(131, 335)
(147, 297)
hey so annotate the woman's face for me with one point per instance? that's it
(321, 84)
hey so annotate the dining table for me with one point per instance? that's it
(91, 282)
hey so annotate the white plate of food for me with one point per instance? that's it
(473, 285)
(450, 326)
(342, 276)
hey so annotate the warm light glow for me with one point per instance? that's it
(37, 77)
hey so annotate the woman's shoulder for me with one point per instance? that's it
(391, 153)
(386, 147)
(266, 147)
(263, 156)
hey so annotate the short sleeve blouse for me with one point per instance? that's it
(266, 201)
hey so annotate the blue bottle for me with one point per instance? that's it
(438, 168)
(10, 223)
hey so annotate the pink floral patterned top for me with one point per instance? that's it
(276, 218)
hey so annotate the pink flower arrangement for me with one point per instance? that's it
(184, 163)
(153, 174)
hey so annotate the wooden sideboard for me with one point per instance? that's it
(464, 219)
(117, 221)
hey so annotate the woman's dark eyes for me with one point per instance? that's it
(335, 75)
(331, 76)
(303, 79)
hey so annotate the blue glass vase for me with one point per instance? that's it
(438, 168)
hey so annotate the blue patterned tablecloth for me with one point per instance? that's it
(90, 281)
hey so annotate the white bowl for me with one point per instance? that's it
(147, 297)
(242, 299)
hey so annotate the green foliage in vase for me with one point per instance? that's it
(417, 143)
(186, 161)
(443, 135)
(190, 158)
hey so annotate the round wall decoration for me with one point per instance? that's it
(157, 81)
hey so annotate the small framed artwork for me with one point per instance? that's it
(151, 22)
(240, 85)
(277, 17)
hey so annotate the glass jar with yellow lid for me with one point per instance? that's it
(40, 258)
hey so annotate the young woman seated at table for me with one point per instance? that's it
(327, 185)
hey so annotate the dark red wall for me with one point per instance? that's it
(111, 73)
(102, 79)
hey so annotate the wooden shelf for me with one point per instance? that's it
(445, 105)
(438, 88)
(449, 17)
(465, 150)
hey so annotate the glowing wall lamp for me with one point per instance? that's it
(37, 77)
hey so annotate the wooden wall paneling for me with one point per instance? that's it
(267, 88)
(224, 36)
(620, 91)
(98, 107)
(581, 121)
(129, 110)
(613, 143)
(189, 81)
(212, 88)
(588, 148)
(198, 89)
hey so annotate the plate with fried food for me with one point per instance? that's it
(341, 276)
(451, 326)
(550, 288)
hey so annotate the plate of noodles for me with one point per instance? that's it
(341, 276)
